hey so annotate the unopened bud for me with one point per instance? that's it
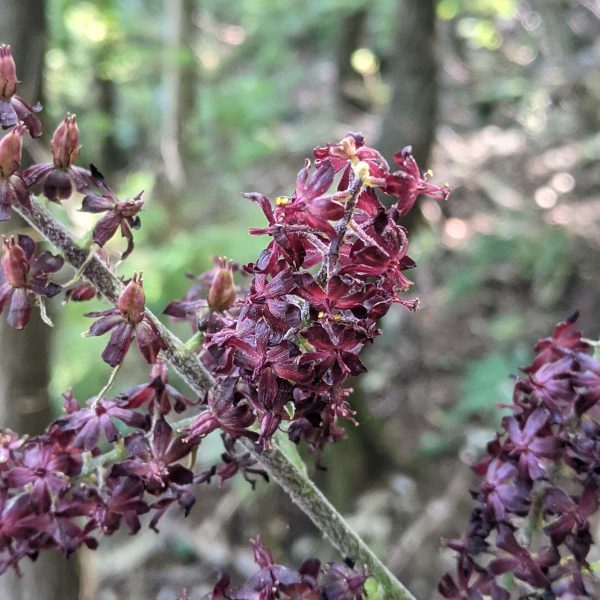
(11, 148)
(81, 293)
(222, 291)
(8, 73)
(14, 263)
(65, 143)
(131, 301)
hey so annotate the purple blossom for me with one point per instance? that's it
(120, 214)
(13, 108)
(13, 189)
(541, 484)
(128, 322)
(24, 277)
(60, 176)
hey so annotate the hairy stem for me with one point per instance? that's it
(330, 261)
(296, 484)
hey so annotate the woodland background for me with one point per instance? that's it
(195, 101)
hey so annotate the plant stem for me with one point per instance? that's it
(330, 261)
(296, 484)
(108, 385)
(313, 503)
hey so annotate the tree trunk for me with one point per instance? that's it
(411, 114)
(112, 156)
(24, 355)
(179, 82)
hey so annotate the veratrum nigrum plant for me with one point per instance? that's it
(274, 343)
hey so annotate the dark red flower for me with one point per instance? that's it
(12, 107)
(100, 417)
(521, 562)
(129, 321)
(158, 395)
(407, 184)
(24, 277)
(228, 410)
(120, 214)
(59, 176)
(13, 189)
(155, 462)
(125, 502)
(46, 466)
(572, 513)
(82, 292)
(222, 292)
(530, 446)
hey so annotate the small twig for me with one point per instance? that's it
(43, 314)
(79, 273)
(108, 385)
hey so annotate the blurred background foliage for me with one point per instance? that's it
(196, 101)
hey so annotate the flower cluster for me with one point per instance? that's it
(281, 349)
(59, 177)
(58, 489)
(334, 266)
(311, 581)
(540, 484)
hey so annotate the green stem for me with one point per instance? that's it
(108, 385)
(294, 482)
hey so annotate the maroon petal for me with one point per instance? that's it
(46, 263)
(19, 310)
(104, 324)
(264, 203)
(96, 204)
(27, 244)
(25, 113)
(36, 173)
(57, 186)
(20, 193)
(148, 340)
(105, 228)
(118, 344)
(8, 116)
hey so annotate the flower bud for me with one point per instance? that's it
(14, 263)
(222, 291)
(8, 73)
(65, 143)
(131, 301)
(81, 293)
(11, 147)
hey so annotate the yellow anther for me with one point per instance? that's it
(348, 146)
(362, 170)
(282, 200)
(429, 173)
(320, 315)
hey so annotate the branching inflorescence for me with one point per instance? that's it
(274, 343)
(273, 356)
